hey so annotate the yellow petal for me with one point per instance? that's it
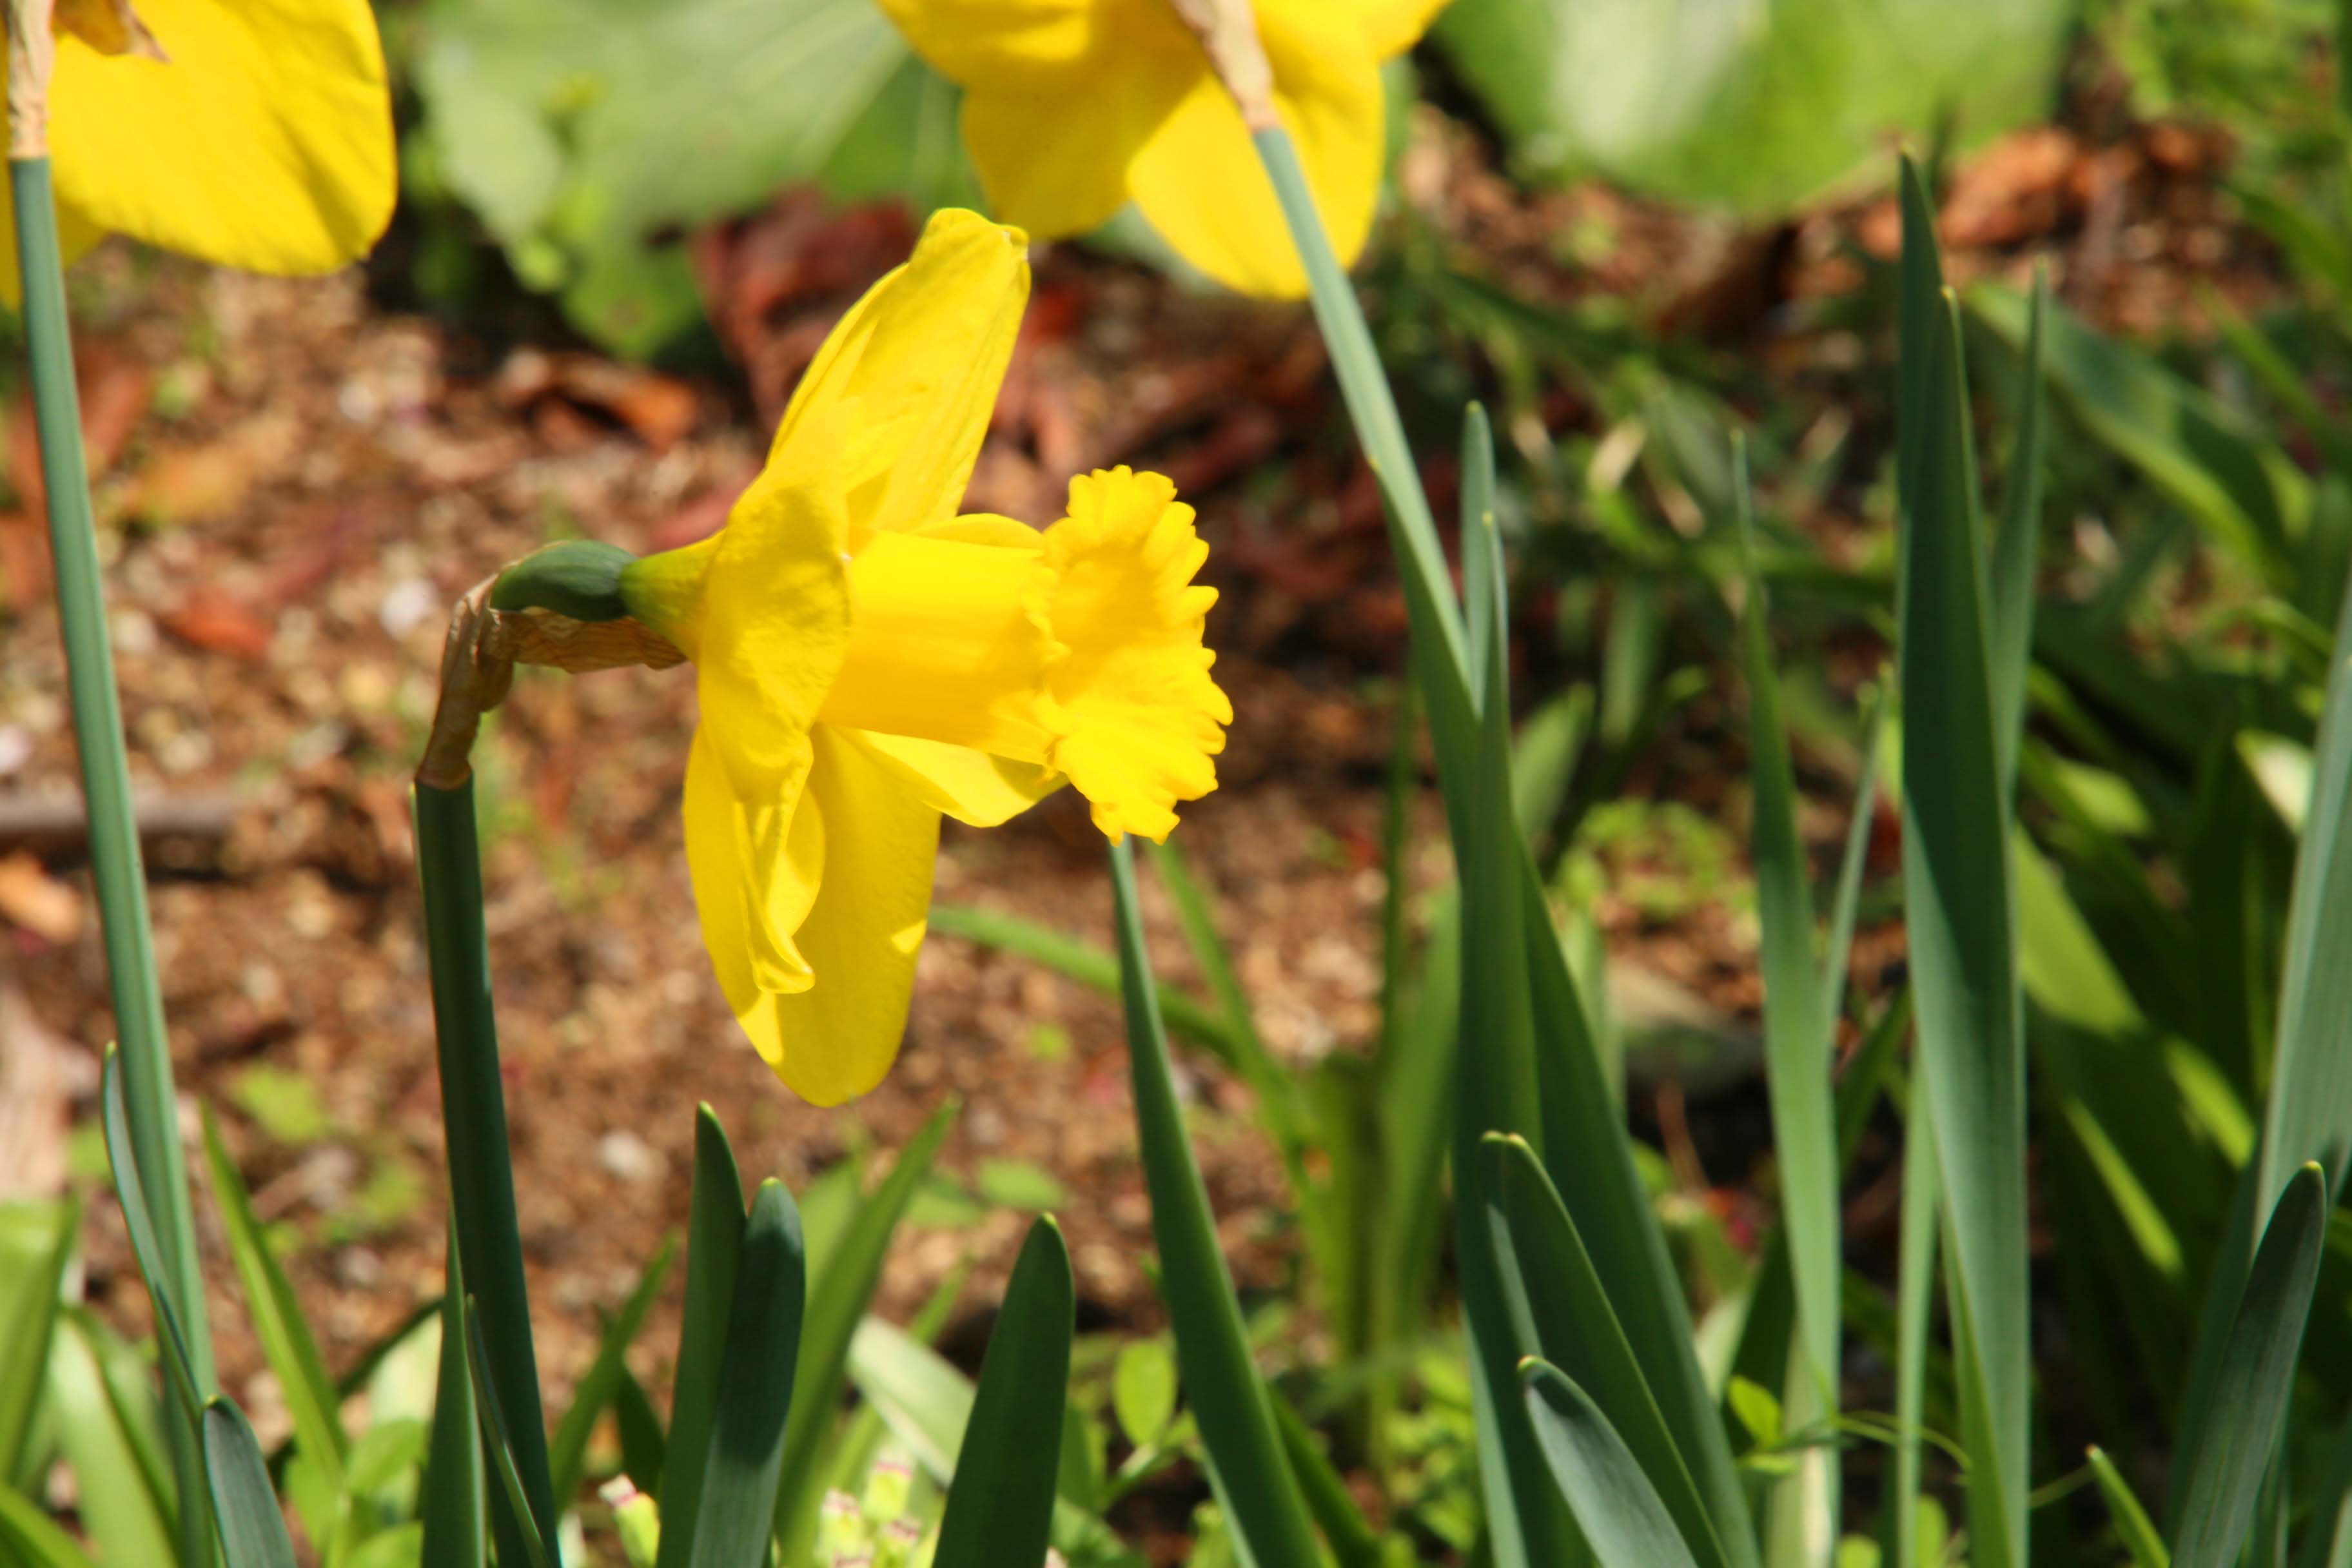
(969, 785)
(837, 1038)
(1138, 715)
(1054, 134)
(1199, 181)
(263, 139)
(1391, 26)
(76, 236)
(898, 401)
(1006, 41)
(772, 624)
(756, 865)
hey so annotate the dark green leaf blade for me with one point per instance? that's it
(1236, 1421)
(1956, 902)
(1798, 1027)
(1001, 1509)
(1604, 1487)
(2225, 1460)
(714, 1249)
(1578, 1330)
(244, 1508)
(756, 1382)
(453, 1504)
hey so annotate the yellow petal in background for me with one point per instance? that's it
(1199, 181)
(262, 138)
(837, 1038)
(1389, 27)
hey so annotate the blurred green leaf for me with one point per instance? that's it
(568, 1454)
(2133, 1527)
(1018, 1184)
(565, 128)
(1000, 1510)
(1725, 103)
(1143, 1390)
(277, 1321)
(28, 1531)
(37, 1241)
(124, 1502)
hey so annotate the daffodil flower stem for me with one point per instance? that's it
(150, 1100)
(1523, 1506)
(473, 1117)
(1379, 429)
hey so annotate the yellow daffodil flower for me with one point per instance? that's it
(1073, 108)
(867, 660)
(251, 133)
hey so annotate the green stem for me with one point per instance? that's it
(474, 1116)
(150, 1100)
(1371, 404)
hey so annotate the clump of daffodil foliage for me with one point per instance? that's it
(256, 136)
(1071, 113)
(869, 661)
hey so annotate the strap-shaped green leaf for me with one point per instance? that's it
(1957, 900)
(1001, 1509)
(714, 1250)
(244, 1508)
(1578, 1330)
(453, 1505)
(277, 1321)
(498, 1438)
(756, 1382)
(2133, 1527)
(1237, 1430)
(29, 1532)
(1606, 1489)
(38, 1244)
(2224, 1459)
(838, 1299)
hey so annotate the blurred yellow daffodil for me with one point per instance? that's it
(252, 133)
(867, 660)
(1073, 108)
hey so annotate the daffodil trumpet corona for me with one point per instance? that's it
(868, 659)
(1073, 108)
